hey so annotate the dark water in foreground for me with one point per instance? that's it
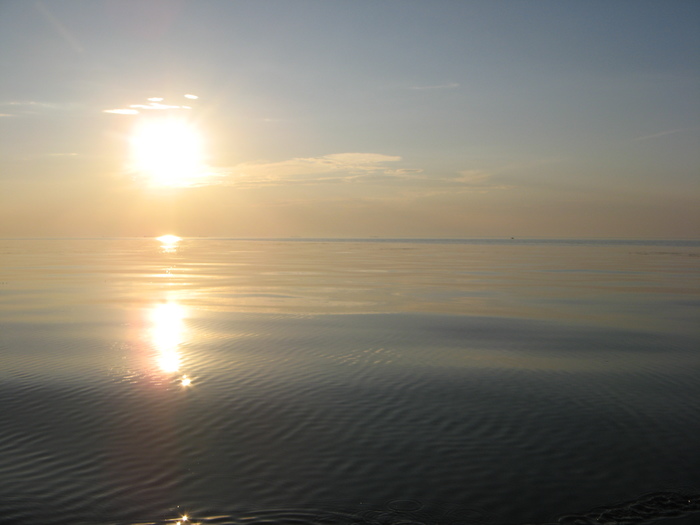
(387, 383)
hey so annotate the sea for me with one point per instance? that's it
(349, 381)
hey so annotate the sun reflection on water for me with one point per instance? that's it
(167, 334)
(169, 243)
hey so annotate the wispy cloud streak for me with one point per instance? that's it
(353, 168)
(335, 167)
(59, 27)
(656, 135)
(154, 104)
(450, 85)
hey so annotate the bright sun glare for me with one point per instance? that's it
(169, 243)
(169, 239)
(167, 152)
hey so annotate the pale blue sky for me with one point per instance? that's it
(358, 118)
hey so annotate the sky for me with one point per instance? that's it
(363, 118)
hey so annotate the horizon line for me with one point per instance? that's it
(367, 239)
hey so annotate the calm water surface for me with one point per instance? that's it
(347, 382)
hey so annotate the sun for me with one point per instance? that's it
(167, 152)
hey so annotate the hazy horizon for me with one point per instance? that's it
(378, 239)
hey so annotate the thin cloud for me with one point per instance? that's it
(450, 85)
(121, 111)
(61, 29)
(656, 135)
(406, 173)
(462, 181)
(473, 177)
(21, 108)
(153, 104)
(336, 167)
(33, 104)
(353, 168)
(157, 106)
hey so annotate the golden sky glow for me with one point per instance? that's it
(463, 119)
